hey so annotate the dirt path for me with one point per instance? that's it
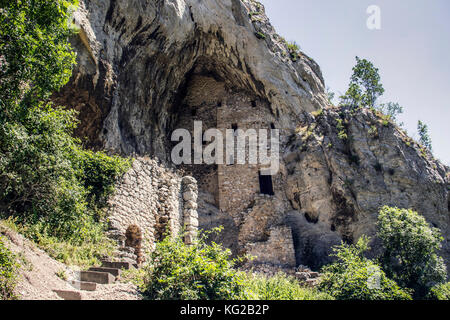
(39, 274)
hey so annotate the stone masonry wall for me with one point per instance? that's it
(150, 197)
(278, 249)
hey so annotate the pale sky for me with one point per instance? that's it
(412, 52)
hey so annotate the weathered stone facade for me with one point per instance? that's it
(278, 248)
(147, 68)
(156, 200)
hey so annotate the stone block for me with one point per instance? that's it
(190, 196)
(68, 294)
(191, 213)
(190, 205)
(114, 271)
(191, 221)
(97, 277)
(84, 285)
(189, 239)
(116, 264)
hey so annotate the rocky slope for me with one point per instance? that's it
(138, 63)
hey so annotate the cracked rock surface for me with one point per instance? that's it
(138, 60)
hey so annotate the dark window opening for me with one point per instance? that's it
(234, 126)
(219, 104)
(266, 185)
(193, 112)
(254, 104)
(272, 125)
(311, 219)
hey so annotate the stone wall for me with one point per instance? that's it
(278, 249)
(150, 196)
(239, 183)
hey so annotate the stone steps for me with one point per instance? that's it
(88, 280)
(118, 265)
(68, 294)
(114, 271)
(84, 285)
(97, 277)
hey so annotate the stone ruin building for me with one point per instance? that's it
(146, 68)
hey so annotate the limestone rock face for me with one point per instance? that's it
(337, 185)
(147, 67)
(136, 57)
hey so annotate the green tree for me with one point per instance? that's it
(424, 135)
(391, 109)
(330, 95)
(410, 250)
(354, 277)
(47, 180)
(35, 56)
(365, 87)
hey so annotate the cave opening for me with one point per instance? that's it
(222, 99)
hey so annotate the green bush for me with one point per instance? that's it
(99, 174)
(440, 292)
(197, 272)
(354, 277)
(410, 250)
(279, 287)
(47, 181)
(8, 273)
(294, 50)
(207, 272)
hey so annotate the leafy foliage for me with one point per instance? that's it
(206, 272)
(391, 109)
(48, 182)
(410, 250)
(330, 95)
(36, 58)
(440, 292)
(365, 87)
(294, 50)
(198, 272)
(424, 135)
(8, 273)
(280, 287)
(354, 277)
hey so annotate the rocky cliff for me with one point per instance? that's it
(147, 67)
